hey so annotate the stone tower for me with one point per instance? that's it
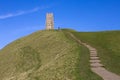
(49, 21)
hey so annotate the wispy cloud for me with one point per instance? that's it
(9, 15)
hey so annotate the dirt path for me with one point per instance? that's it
(95, 63)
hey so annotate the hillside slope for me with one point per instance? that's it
(38, 57)
(45, 55)
(108, 46)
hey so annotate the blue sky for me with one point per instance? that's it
(19, 18)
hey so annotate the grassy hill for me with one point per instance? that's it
(45, 55)
(108, 46)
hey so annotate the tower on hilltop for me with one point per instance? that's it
(49, 21)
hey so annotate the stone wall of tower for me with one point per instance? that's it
(49, 21)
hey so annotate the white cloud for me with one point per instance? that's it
(21, 12)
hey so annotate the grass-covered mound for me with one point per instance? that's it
(45, 55)
(108, 45)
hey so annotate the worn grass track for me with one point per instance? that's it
(83, 72)
(108, 46)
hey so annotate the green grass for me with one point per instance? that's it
(43, 55)
(108, 46)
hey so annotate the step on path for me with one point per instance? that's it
(95, 63)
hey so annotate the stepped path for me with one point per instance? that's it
(95, 63)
